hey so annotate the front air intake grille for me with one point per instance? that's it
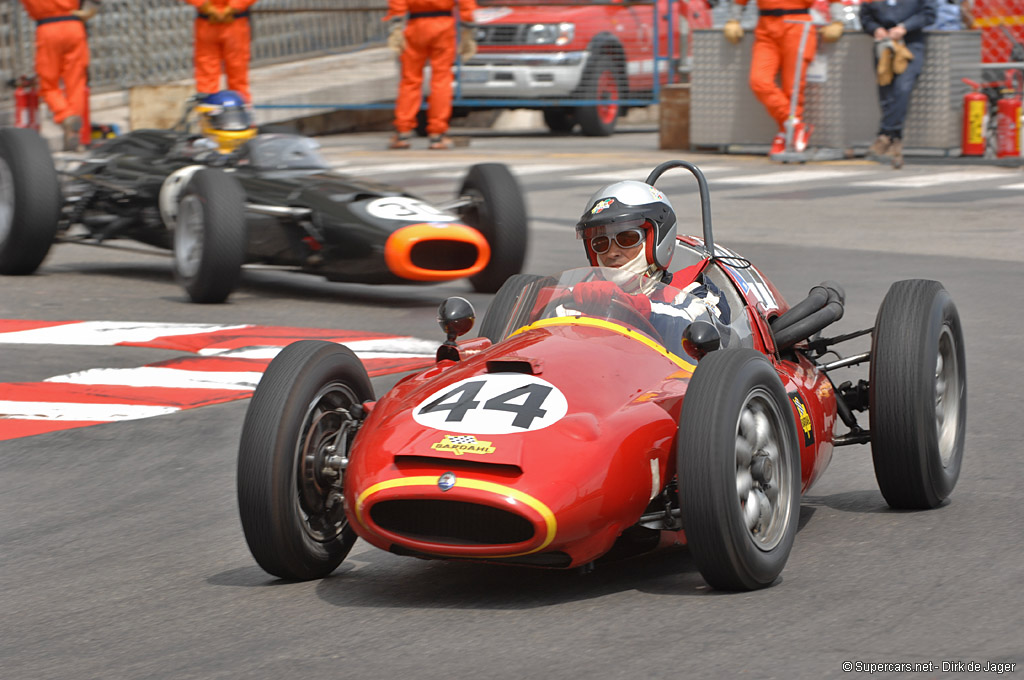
(451, 522)
(445, 256)
(501, 34)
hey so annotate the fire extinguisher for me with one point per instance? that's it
(972, 143)
(1008, 119)
(1007, 122)
(26, 103)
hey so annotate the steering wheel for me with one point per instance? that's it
(620, 310)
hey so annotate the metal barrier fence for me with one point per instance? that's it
(149, 42)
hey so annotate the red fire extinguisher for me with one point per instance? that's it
(26, 103)
(972, 143)
(1008, 121)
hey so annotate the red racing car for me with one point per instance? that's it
(567, 433)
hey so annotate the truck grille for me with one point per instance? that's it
(451, 522)
(501, 34)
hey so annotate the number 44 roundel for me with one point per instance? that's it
(496, 403)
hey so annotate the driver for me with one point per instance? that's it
(631, 226)
(224, 118)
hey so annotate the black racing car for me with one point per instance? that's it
(273, 201)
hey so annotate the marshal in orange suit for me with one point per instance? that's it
(62, 56)
(428, 35)
(774, 58)
(222, 45)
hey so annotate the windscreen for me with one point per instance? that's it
(285, 152)
(640, 304)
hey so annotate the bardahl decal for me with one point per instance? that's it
(460, 444)
(805, 418)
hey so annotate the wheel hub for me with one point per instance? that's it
(763, 489)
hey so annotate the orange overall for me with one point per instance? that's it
(776, 50)
(62, 54)
(226, 43)
(429, 36)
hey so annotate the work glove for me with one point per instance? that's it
(396, 35)
(87, 11)
(832, 31)
(901, 56)
(732, 31)
(884, 52)
(467, 43)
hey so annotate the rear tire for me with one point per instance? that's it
(210, 237)
(292, 512)
(917, 395)
(739, 470)
(498, 211)
(30, 201)
(560, 121)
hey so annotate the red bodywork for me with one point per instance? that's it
(558, 495)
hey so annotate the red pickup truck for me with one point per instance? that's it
(579, 61)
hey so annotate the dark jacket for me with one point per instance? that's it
(913, 14)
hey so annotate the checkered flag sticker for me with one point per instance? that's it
(461, 439)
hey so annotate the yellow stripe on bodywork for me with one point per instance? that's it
(477, 484)
(608, 325)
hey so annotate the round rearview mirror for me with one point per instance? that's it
(456, 316)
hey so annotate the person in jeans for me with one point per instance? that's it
(896, 21)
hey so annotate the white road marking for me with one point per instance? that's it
(931, 179)
(44, 410)
(789, 176)
(376, 348)
(155, 376)
(107, 332)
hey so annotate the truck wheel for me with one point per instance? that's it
(296, 438)
(504, 303)
(30, 201)
(560, 121)
(918, 395)
(498, 211)
(210, 236)
(602, 81)
(739, 470)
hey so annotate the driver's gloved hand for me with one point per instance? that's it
(600, 294)
(594, 293)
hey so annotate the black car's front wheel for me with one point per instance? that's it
(498, 211)
(210, 236)
(918, 395)
(30, 201)
(292, 458)
(739, 470)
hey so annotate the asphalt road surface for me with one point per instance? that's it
(122, 556)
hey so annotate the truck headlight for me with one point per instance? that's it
(550, 34)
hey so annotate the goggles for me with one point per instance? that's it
(630, 238)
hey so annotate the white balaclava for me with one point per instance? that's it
(649, 274)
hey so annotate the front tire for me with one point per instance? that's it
(917, 395)
(739, 470)
(498, 211)
(603, 81)
(296, 438)
(30, 201)
(210, 236)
